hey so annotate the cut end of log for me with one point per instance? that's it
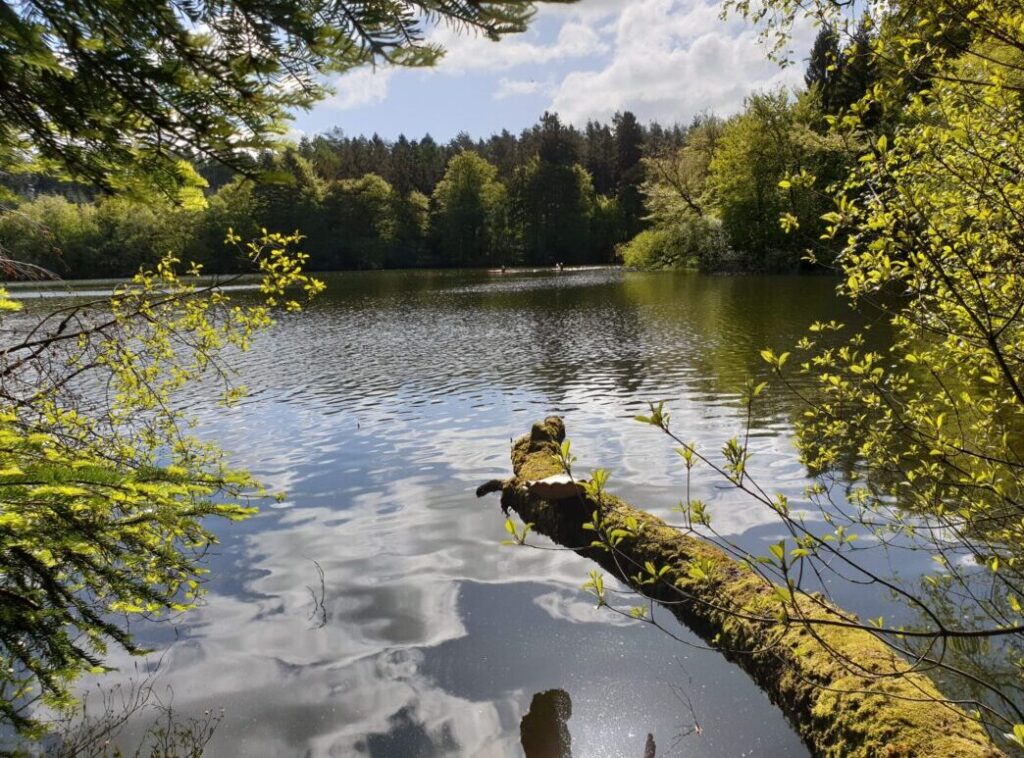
(556, 487)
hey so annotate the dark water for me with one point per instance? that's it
(379, 411)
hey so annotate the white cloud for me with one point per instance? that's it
(475, 53)
(662, 59)
(584, 9)
(294, 135)
(364, 86)
(673, 59)
(516, 87)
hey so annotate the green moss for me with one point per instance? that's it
(836, 685)
(535, 456)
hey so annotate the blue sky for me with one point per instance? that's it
(663, 59)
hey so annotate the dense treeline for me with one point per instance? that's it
(708, 195)
(749, 192)
(553, 193)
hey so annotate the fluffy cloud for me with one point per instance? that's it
(515, 87)
(662, 59)
(583, 9)
(576, 39)
(474, 53)
(671, 60)
(294, 135)
(364, 86)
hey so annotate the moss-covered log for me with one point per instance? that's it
(843, 689)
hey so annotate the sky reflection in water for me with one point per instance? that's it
(379, 411)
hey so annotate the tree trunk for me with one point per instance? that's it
(844, 690)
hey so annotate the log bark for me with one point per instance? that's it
(845, 691)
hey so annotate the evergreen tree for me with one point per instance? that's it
(230, 208)
(552, 209)
(289, 195)
(294, 181)
(824, 67)
(430, 165)
(858, 73)
(842, 75)
(556, 144)
(411, 213)
(629, 140)
(503, 151)
(402, 165)
(322, 151)
(600, 157)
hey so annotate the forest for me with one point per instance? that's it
(704, 195)
(552, 194)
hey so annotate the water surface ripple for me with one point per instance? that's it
(379, 411)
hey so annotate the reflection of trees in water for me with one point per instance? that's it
(408, 735)
(985, 669)
(544, 730)
(583, 336)
(713, 328)
(598, 333)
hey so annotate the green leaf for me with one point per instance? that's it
(1018, 734)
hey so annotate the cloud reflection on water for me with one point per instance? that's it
(379, 412)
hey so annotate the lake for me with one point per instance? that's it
(379, 411)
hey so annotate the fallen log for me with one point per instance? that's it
(844, 690)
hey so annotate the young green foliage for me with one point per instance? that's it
(930, 223)
(104, 499)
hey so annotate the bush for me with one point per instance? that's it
(691, 242)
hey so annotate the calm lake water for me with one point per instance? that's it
(379, 411)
